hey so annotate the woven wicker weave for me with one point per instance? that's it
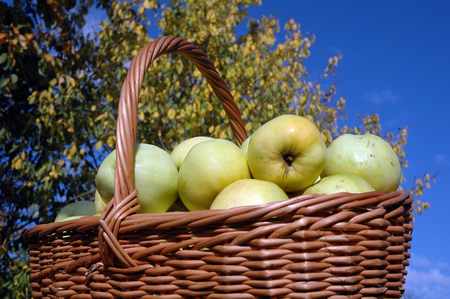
(334, 246)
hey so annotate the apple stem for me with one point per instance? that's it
(288, 159)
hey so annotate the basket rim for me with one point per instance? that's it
(234, 216)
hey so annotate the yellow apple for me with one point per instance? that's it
(340, 183)
(367, 156)
(155, 176)
(182, 149)
(100, 203)
(209, 167)
(248, 192)
(76, 210)
(288, 151)
(244, 146)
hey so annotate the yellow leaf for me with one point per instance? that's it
(109, 98)
(110, 141)
(54, 173)
(236, 95)
(197, 73)
(171, 113)
(149, 4)
(51, 110)
(71, 81)
(303, 100)
(49, 58)
(98, 145)
(17, 163)
(72, 151)
(101, 116)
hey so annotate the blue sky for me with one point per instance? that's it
(396, 63)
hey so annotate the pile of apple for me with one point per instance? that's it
(285, 157)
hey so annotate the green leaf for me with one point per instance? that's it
(3, 82)
(3, 58)
(13, 78)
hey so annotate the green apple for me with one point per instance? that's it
(181, 150)
(367, 156)
(248, 192)
(209, 167)
(340, 183)
(244, 146)
(155, 176)
(288, 151)
(100, 203)
(104, 180)
(76, 210)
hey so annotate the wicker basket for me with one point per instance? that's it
(334, 246)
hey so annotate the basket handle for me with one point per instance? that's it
(125, 201)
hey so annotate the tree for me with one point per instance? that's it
(59, 88)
